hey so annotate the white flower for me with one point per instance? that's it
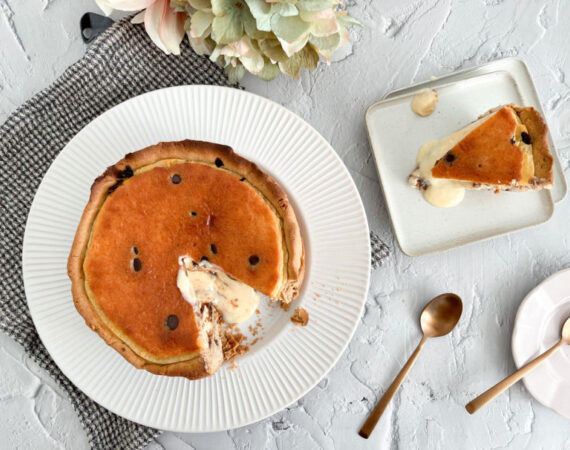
(164, 25)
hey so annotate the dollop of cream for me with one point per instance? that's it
(441, 192)
(424, 102)
(206, 283)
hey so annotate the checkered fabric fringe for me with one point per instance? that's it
(120, 64)
(379, 251)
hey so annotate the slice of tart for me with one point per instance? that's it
(505, 150)
(176, 240)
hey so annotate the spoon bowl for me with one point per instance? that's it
(566, 332)
(441, 315)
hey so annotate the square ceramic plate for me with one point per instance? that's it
(396, 134)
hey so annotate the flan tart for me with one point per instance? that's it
(504, 150)
(177, 240)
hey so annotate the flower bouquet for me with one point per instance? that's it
(263, 37)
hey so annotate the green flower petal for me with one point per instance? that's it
(235, 73)
(345, 20)
(178, 5)
(200, 23)
(269, 72)
(285, 10)
(315, 5)
(272, 49)
(227, 29)
(222, 7)
(249, 25)
(290, 48)
(307, 57)
(290, 28)
(201, 5)
(259, 9)
(326, 43)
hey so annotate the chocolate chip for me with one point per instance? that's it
(449, 157)
(253, 260)
(135, 250)
(127, 172)
(242, 179)
(513, 140)
(204, 258)
(213, 248)
(219, 162)
(176, 179)
(210, 220)
(526, 138)
(114, 187)
(172, 321)
(137, 265)
(193, 213)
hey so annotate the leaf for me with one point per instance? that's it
(272, 49)
(307, 57)
(227, 29)
(289, 29)
(315, 5)
(200, 23)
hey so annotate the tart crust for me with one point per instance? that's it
(205, 359)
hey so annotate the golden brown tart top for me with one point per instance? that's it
(169, 200)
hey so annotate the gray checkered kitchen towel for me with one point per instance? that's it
(120, 64)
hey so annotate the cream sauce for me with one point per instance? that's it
(442, 192)
(207, 283)
(424, 102)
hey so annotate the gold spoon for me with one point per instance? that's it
(438, 318)
(474, 405)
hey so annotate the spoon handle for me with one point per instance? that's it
(374, 417)
(477, 403)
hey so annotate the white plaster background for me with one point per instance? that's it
(401, 42)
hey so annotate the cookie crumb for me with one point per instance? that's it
(300, 317)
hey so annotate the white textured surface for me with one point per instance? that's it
(400, 43)
(288, 361)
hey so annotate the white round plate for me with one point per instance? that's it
(537, 328)
(289, 360)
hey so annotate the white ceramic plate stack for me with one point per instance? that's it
(396, 134)
(288, 361)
